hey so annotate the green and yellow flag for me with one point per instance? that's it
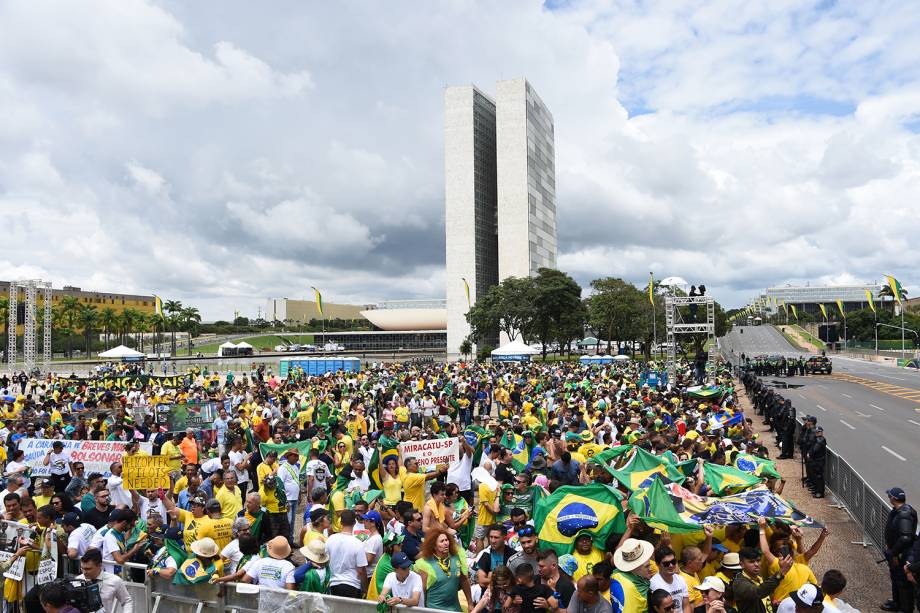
(593, 508)
(466, 286)
(840, 307)
(644, 467)
(386, 448)
(759, 467)
(823, 311)
(794, 312)
(724, 480)
(520, 454)
(896, 288)
(651, 289)
(319, 301)
(157, 305)
(869, 299)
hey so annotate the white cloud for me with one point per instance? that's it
(224, 157)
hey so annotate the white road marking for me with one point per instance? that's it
(822, 386)
(801, 396)
(820, 407)
(847, 425)
(862, 414)
(916, 423)
(846, 395)
(890, 377)
(897, 455)
(875, 406)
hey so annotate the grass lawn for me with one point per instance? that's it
(258, 342)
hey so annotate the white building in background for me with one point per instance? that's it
(499, 193)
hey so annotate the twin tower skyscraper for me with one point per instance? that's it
(499, 192)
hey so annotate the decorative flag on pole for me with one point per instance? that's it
(823, 311)
(840, 306)
(651, 288)
(466, 286)
(794, 312)
(319, 301)
(896, 288)
(783, 304)
(869, 299)
(157, 305)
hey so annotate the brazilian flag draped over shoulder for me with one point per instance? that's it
(520, 454)
(594, 507)
(672, 507)
(475, 437)
(726, 479)
(759, 467)
(644, 467)
(386, 448)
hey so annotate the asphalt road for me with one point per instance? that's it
(870, 412)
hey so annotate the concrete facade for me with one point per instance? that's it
(470, 200)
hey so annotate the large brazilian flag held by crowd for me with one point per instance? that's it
(594, 507)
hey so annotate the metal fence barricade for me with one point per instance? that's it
(875, 517)
(247, 598)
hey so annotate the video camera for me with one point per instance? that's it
(81, 594)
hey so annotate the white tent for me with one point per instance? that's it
(244, 345)
(515, 351)
(121, 352)
(227, 347)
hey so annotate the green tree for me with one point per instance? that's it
(556, 297)
(614, 310)
(70, 312)
(158, 324)
(507, 307)
(173, 308)
(466, 347)
(108, 319)
(88, 321)
(190, 318)
(885, 292)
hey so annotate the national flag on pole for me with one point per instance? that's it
(840, 306)
(896, 288)
(794, 312)
(319, 301)
(466, 286)
(651, 289)
(823, 311)
(157, 305)
(594, 508)
(724, 480)
(869, 299)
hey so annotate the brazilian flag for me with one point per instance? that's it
(302, 447)
(709, 392)
(724, 480)
(520, 454)
(759, 467)
(608, 455)
(475, 435)
(644, 467)
(594, 508)
(655, 506)
(386, 448)
(193, 572)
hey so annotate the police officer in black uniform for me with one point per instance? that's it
(814, 461)
(900, 532)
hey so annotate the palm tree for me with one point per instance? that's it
(108, 319)
(885, 290)
(70, 311)
(88, 319)
(189, 317)
(158, 324)
(125, 325)
(173, 307)
(141, 325)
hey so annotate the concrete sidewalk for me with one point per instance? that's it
(868, 585)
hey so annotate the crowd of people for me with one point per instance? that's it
(298, 484)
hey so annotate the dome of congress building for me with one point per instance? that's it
(407, 315)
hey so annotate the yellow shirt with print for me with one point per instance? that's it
(586, 562)
(798, 575)
(191, 526)
(269, 500)
(402, 414)
(413, 488)
(221, 530)
(589, 450)
(264, 469)
(231, 503)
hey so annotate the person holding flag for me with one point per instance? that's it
(629, 584)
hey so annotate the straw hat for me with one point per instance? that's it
(205, 547)
(315, 551)
(632, 554)
(278, 548)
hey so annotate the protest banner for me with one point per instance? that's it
(127, 382)
(97, 456)
(430, 453)
(180, 417)
(145, 472)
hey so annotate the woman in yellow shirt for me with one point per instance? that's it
(392, 484)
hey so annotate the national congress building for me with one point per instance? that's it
(499, 191)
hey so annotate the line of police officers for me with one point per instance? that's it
(776, 366)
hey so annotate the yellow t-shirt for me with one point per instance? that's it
(338, 504)
(797, 576)
(263, 470)
(402, 414)
(586, 562)
(191, 526)
(692, 581)
(312, 535)
(436, 509)
(486, 499)
(392, 490)
(181, 484)
(221, 530)
(170, 450)
(269, 500)
(413, 488)
(590, 449)
(41, 501)
(231, 503)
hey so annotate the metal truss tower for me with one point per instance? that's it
(29, 350)
(677, 326)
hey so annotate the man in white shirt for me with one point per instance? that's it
(118, 495)
(668, 578)
(347, 560)
(459, 472)
(317, 472)
(402, 586)
(275, 570)
(289, 474)
(58, 461)
(78, 535)
(111, 588)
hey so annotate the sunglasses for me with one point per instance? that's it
(669, 562)
(526, 531)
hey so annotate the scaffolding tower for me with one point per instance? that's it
(703, 323)
(30, 289)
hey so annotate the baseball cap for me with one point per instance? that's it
(212, 505)
(122, 515)
(199, 500)
(373, 516)
(400, 560)
(71, 519)
(711, 583)
(719, 547)
(47, 483)
(809, 596)
(897, 493)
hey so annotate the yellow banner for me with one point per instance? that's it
(145, 472)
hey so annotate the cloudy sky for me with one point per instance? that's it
(220, 152)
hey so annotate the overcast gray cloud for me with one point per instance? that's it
(224, 152)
